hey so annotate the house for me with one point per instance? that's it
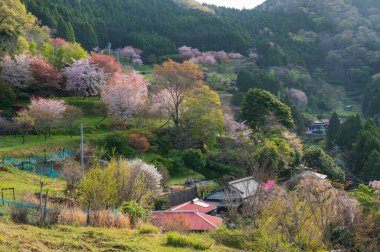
(349, 108)
(234, 193)
(318, 127)
(193, 215)
(293, 181)
(191, 220)
(196, 205)
(311, 174)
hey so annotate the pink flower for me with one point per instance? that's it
(270, 184)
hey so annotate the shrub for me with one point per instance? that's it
(317, 159)
(230, 238)
(19, 214)
(207, 189)
(161, 203)
(72, 216)
(134, 211)
(341, 236)
(148, 229)
(109, 219)
(194, 159)
(117, 143)
(180, 241)
(138, 142)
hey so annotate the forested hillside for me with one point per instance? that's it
(154, 119)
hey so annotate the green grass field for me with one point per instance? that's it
(25, 182)
(66, 238)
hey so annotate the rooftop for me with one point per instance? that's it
(195, 205)
(193, 220)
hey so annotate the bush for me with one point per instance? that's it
(194, 159)
(230, 238)
(207, 189)
(7, 94)
(161, 203)
(316, 158)
(341, 236)
(180, 241)
(19, 214)
(148, 229)
(117, 143)
(134, 211)
(138, 142)
(74, 217)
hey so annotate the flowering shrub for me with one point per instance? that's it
(138, 142)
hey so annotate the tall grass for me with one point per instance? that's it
(181, 241)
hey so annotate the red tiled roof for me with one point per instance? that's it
(195, 205)
(190, 220)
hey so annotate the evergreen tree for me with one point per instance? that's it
(298, 121)
(259, 103)
(371, 169)
(244, 81)
(332, 131)
(348, 132)
(366, 143)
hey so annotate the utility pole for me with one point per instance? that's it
(109, 49)
(81, 147)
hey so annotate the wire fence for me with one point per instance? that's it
(44, 164)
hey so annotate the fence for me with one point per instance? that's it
(42, 164)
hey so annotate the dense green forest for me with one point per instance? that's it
(338, 46)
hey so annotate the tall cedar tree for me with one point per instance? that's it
(258, 104)
(332, 131)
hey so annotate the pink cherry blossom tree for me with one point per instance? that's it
(17, 70)
(235, 56)
(222, 56)
(375, 185)
(205, 59)
(237, 130)
(188, 52)
(84, 78)
(298, 96)
(126, 94)
(47, 113)
(133, 54)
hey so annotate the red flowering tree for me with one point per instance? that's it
(107, 63)
(45, 79)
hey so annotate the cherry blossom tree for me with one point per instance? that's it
(17, 70)
(150, 172)
(126, 94)
(46, 112)
(45, 79)
(24, 123)
(187, 52)
(84, 78)
(237, 130)
(132, 53)
(107, 63)
(298, 96)
(205, 59)
(235, 56)
(222, 56)
(376, 185)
